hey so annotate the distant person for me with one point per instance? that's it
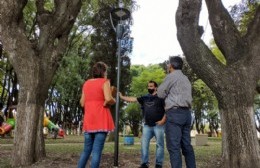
(176, 89)
(96, 99)
(154, 119)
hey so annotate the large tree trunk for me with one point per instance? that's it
(29, 142)
(239, 136)
(239, 141)
(234, 83)
(35, 59)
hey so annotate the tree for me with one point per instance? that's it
(214, 121)
(35, 56)
(65, 91)
(139, 82)
(133, 116)
(234, 83)
(243, 14)
(204, 101)
(9, 85)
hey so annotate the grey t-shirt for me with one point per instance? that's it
(176, 89)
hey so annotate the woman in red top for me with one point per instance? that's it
(96, 99)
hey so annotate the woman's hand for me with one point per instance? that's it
(113, 91)
(109, 100)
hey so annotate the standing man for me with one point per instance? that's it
(176, 89)
(154, 119)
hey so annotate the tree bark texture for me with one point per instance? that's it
(35, 60)
(234, 83)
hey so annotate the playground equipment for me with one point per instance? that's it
(7, 126)
(52, 127)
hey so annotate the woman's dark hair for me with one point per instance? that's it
(176, 62)
(99, 70)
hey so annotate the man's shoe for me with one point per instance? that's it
(144, 165)
(158, 166)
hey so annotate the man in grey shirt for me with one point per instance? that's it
(176, 89)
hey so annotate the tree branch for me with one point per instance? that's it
(54, 31)
(54, 25)
(40, 6)
(226, 35)
(12, 11)
(12, 28)
(254, 26)
(65, 15)
(253, 39)
(198, 55)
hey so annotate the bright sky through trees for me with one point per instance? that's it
(154, 30)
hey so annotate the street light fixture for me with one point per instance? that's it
(120, 14)
(122, 17)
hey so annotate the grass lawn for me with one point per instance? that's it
(208, 155)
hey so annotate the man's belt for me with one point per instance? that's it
(181, 107)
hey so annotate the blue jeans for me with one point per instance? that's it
(94, 143)
(148, 133)
(177, 131)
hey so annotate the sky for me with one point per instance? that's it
(154, 30)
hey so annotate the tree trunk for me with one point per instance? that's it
(111, 137)
(35, 58)
(29, 144)
(239, 141)
(234, 83)
(240, 146)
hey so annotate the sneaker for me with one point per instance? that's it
(144, 165)
(158, 166)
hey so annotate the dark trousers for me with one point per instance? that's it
(177, 131)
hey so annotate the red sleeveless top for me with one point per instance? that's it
(97, 118)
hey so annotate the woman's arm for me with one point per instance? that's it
(82, 99)
(109, 100)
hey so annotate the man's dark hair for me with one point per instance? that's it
(155, 84)
(176, 62)
(99, 70)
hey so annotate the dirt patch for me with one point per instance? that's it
(126, 160)
(70, 161)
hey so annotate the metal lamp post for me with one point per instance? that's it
(1, 49)
(121, 16)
